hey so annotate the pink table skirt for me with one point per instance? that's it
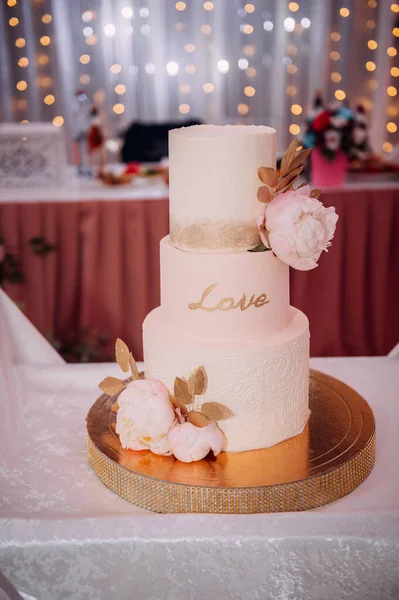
(103, 277)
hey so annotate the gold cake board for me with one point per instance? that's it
(329, 459)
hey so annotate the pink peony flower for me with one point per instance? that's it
(190, 443)
(145, 416)
(297, 228)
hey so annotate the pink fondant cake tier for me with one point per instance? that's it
(224, 295)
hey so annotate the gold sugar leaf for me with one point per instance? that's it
(197, 382)
(299, 158)
(198, 419)
(315, 193)
(133, 367)
(302, 184)
(268, 176)
(216, 411)
(289, 179)
(287, 158)
(177, 404)
(264, 194)
(181, 391)
(115, 406)
(122, 355)
(111, 385)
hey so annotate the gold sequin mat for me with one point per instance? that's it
(328, 460)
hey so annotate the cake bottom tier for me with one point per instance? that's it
(264, 383)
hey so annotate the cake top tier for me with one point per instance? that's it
(213, 173)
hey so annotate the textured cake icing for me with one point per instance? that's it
(223, 307)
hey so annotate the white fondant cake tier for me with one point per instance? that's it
(228, 296)
(264, 382)
(214, 183)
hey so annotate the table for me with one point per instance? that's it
(104, 276)
(64, 535)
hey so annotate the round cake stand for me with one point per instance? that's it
(329, 459)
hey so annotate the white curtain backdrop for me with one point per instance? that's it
(280, 62)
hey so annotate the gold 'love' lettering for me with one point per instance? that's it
(228, 303)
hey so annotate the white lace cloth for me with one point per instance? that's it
(63, 535)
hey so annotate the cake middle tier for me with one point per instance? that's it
(224, 295)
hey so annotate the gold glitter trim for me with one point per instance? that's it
(211, 236)
(335, 467)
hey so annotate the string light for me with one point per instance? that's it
(144, 12)
(336, 77)
(189, 48)
(45, 40)
(180, 6)
(118, 108)
(43, 59)
(23, 61)
(289, 24)
(292, 69)
(294, 129)
(335, 55)
(372, 44)
(109, 30)
(335, 36)
(45, 81)
(387, 147)
(291, 90)
(391, 127)
(268, 25)
(172, 68)
(58, 121)
(87, 31)
(21, 85)
(91, 40)
(11, 2)
(184, 109)
(242, 63)
(116, 68)
(344, 12)
(392, 111)
(25, 121)
(293, 6)
(395, 31)
(20, 42)
(392, 51)
(306, 23)
(296, 109)
(370, 66)
(208, 6)
(47, 19)
(249, 91)
(84, 79)
(250, 72)
(395, 8)
(340, 95)
(127, 12)
(249, 8)
(22, 104)
(248, 29)
(120, 89)
(208, 88)
(392, 91)
(223, 66)
(395, 72)
(13, 22)
(190, 69)
(206, 29)
(371, 24)
(243, 109)
(49, 99)
(87, 16)
(84, 59)
(249, 50)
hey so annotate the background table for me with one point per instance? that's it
(64, 535)
(104, 275)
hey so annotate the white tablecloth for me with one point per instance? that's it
(63, 535)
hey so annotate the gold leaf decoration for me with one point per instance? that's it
(302, 184)
(133, 367)
(115, 406)
(198, 419)
(197, 382)
(264, 194)
(315, 193)
(299, 158)
(287, 158)
(216, 411)
(268, 176)
(122, 355)
(111, 385)
(177, 404)
(181, 391)
(289, 179)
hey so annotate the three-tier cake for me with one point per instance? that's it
(222, 306)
